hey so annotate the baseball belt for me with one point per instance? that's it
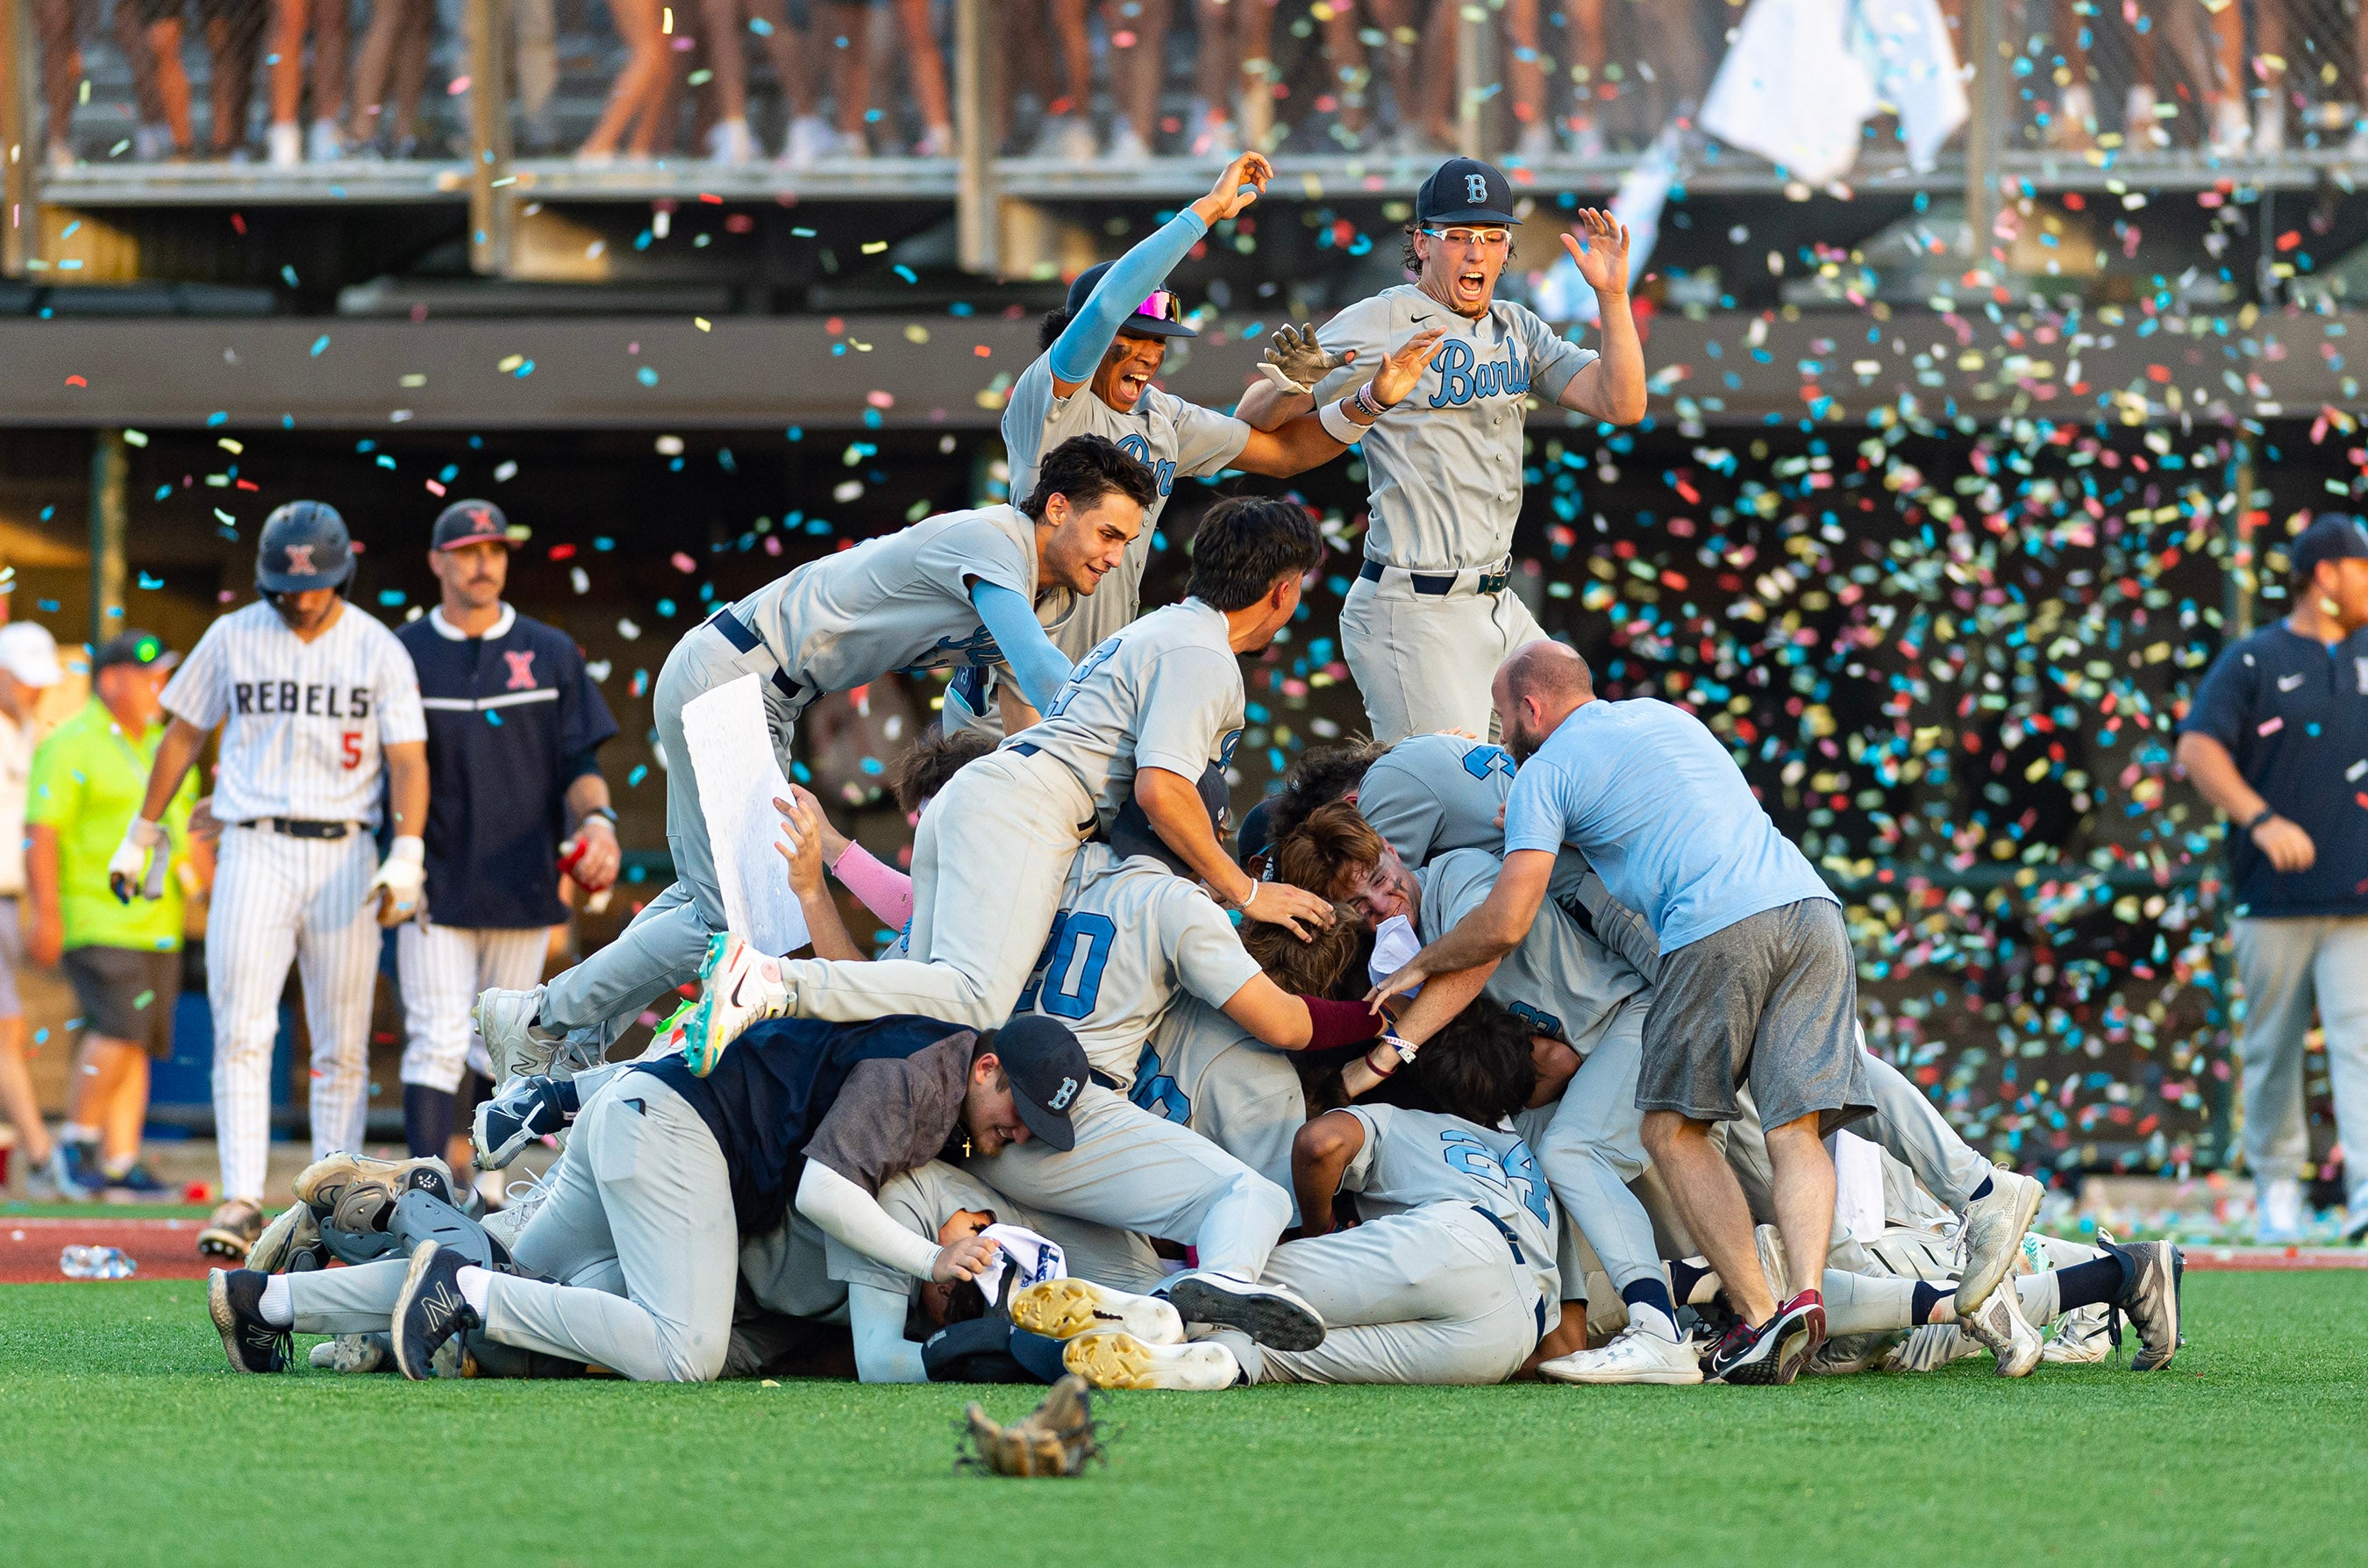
(297, 827)
(1439, 584)
(737, 631)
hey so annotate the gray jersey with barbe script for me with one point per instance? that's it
(1204, 1071)
(1561, 979)
(1130, 939)
(1413, 1157)
(1163, 692)
(900, 602)
(1446, 462)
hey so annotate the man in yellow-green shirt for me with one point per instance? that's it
(124, 960)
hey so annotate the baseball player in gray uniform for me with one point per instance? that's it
(953, 590)
(1431, 614)
(1143, 716)
(1451, 1278)
(1101, 350)
(317, 703)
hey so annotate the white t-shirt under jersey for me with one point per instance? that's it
(303, 723)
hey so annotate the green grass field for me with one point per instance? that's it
(125, 1439)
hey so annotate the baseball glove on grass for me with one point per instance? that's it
(1058, 1438)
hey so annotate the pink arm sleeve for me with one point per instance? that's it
(886, 891)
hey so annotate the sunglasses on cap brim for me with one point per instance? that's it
(1160, 315)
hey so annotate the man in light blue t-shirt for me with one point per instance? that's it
(1757, 979)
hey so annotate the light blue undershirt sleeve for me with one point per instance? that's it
(1040, 667)
(1127, 284)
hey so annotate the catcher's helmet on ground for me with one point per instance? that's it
(304, 547)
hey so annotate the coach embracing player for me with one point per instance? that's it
(515, 725)
(315, 699)
(1430, 616)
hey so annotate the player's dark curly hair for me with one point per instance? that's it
(1048, 331)
(1085, 468)
(1305, 968)
(1320, 776)
(1413, 263)
(1245, 544)
(925, 766)
(1480, 1067)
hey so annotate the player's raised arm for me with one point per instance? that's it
(1612, 387)
(1324, 434)
(1141, 271)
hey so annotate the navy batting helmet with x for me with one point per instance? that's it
(305, 545)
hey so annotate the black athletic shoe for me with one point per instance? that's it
(526, 1109)
(2151, 1273)
(1775, 1352)
(1270, 1314)
(430, 1310)
(234, 1301)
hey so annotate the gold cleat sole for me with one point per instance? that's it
(1057, 1308)
(1112, 1360)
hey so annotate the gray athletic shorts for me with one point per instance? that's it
(1770, 1000)
(12, 958)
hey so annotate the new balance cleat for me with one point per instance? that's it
(2151, 1273)
(430, 1310)
(1999, 1325)
(290, 1244)
(1270, 1314)
(232, 1230)
(1993, 1234)
(738, 986)
(234, 1301)
(1064, 1309)
(1113, 1358)
(1636, 1355)
(355, 1353)
(526, 1109)
(515, 1044)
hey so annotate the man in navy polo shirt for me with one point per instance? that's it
(514, 729)
(2278, 738)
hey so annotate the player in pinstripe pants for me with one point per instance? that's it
(514, 729)
(313, 699)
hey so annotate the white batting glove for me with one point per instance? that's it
(131, 867)
(1295, 362)
(400, 879)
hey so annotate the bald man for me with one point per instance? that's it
(1757, 980)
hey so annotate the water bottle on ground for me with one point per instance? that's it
(96, 1263)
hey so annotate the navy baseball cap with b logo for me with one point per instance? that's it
(1465, 190)
(1048, 1072)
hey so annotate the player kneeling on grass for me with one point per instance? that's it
(666, 1171)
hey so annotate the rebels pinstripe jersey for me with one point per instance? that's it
(1130, 939)
(513, 720)
(301, 722)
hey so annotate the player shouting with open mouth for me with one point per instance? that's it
(1431, 617)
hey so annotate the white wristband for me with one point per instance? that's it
(1338, 426)
(1252, 898)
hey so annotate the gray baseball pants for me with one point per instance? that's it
(2292, 965)
(1135, 1171)
(1431, 1295)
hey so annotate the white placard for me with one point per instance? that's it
(739, 777)
(1858, 1187)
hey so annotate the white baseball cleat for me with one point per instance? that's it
(1998, 1324)
(1636, 1355)
(739, 986)
(1930, 1348)
(1066, 1308)
(354, 1353)
(1993, 1234)
(518, 1045)
(1116, 1359)
(2082, 1338)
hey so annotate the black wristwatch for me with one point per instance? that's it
(2266, 813)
